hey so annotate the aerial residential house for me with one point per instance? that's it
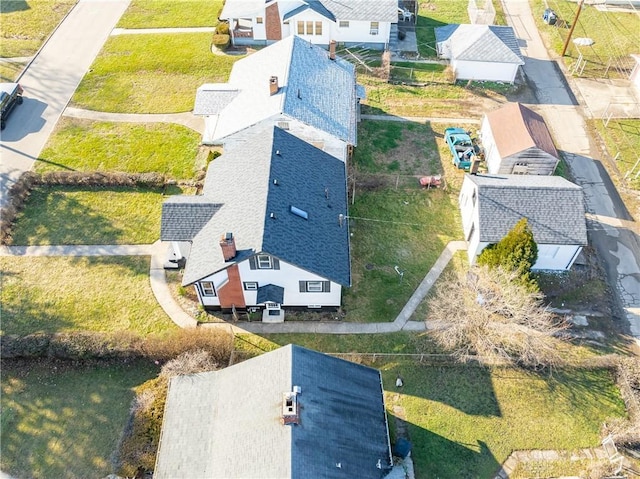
(291, 84)
(516, 140)
(480, 52)
(491, 205)
(269, 230)
(289, 413)
(364, 23)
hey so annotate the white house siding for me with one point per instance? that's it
(491, 153)
(470, 219)
(318, 138)
(484, 71)
(360, 32)
(288, 277)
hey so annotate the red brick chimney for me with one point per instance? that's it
(273, 85)
(332, 50)
(228, 245)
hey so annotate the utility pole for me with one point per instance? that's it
(573, 26)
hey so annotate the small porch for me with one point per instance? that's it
(242, 29)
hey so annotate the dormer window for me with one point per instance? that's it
(264, 261)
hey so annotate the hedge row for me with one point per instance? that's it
(78, 345)
(21, 189)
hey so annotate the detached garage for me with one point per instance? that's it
(480, 52)
(516, 140)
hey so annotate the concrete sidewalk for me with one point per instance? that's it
(158, 253)
(187, 119)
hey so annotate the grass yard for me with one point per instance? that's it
(26, 25)
(396, 147)
(56, 294)
(465, 421)
(87, 145)
(169, 13)
(615, 35)
(59, 215)
(399, 343)
(154, 73)
(64, 422)
(10, 70)
(622, 137)
(438, 100)
(404, 229)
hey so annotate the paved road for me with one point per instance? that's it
(617, 244)
(50, 81)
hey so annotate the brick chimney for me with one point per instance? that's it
(332, 50)
(228, 245)
(273, 85)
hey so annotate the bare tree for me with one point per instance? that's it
(490, 314)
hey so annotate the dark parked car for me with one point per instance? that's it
(10, 96)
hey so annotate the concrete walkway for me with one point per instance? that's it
(187, 119)
(146, 31)
(160, 288)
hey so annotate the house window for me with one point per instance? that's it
(264, 261)
(471, 231)
(259, 20)
(315, 286)
(283, 124)
(344, 24)
(250, 286)
(473, 198)
(207, 289)
(307, 28)
(375, 26)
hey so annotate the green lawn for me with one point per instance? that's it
(26, 25)
(87, 145)
(10, 70)
(154, 73)
(622, 138)
(56, 294)
(171, 13)
(61, 215)
(615, 35)
(64, 422)
(465, 421)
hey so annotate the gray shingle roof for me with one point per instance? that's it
(242, 181)
(481, 43)
(358, 10)
(327, 99)
(184, 216)
(227, 424)
(270, 293)
(212, 98)
(553, 206)
(362, 10)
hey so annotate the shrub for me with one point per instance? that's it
(222, 28)
(92, 345)
(517, 251)
(221, 42)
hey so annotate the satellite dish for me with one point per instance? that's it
(583, 42)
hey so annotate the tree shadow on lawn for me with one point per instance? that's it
(62, 418)
(53, 217)
(437, 456)
(26, 316)
(468, 388)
